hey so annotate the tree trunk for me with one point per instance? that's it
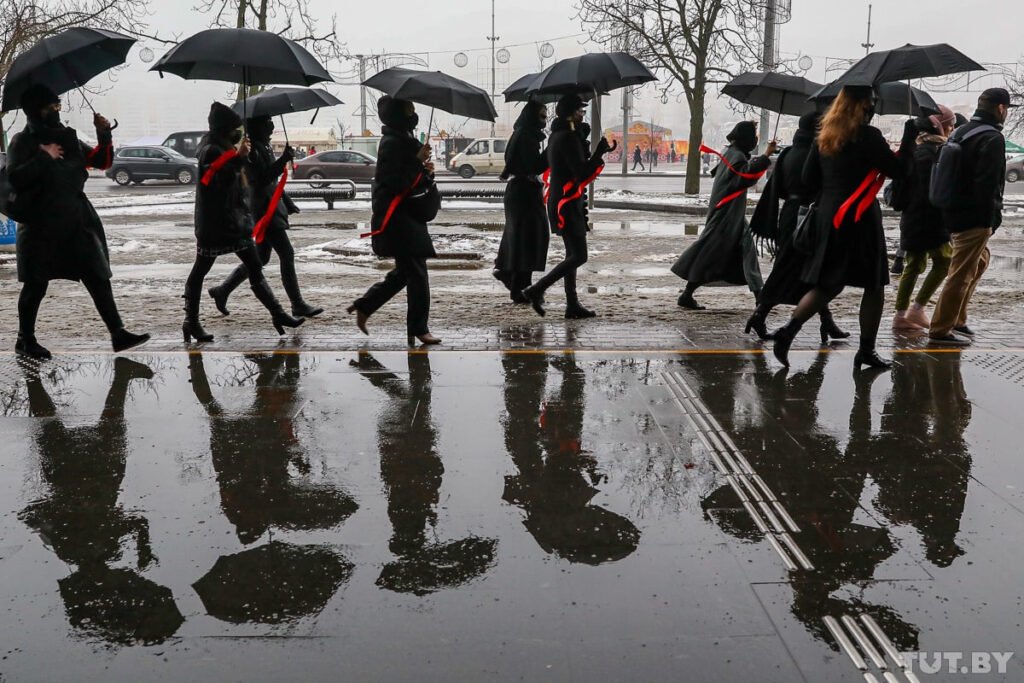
(693, 161)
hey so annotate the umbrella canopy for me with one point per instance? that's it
(779, 93)
(908, 62)
(437, 90)
(517, 92)
(272, 584)
(893, 99)
(598, 71)
(65, 61)
(242, 55)
(438, 566)
(279, 101)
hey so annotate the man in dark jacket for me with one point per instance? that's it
(638, 158)
(264, 172)
(62, 238)
(978, 212)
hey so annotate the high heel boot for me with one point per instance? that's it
(266, 297)
(784, 337)
(191, 328)
(829, 328)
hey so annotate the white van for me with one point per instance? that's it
(484, 155)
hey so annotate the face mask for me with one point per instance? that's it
(236, 137)
(52, 118)
(414, 121)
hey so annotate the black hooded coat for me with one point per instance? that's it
(264, 170)
(524, 244)
(223, 213)
(570, 162)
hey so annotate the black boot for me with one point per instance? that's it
(290, 280)
(266, 297)
(122, 340)
(866, 355)
(191, 328)
(757, 323)
(28, 346)
(535, 298)
(784, 337)
(687, 301)
(576, 311)
(829, 329)
(304, 310)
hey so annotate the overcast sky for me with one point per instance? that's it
(987, 30)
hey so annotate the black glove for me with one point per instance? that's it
(602, 148)
(910, 132)
(288, 155)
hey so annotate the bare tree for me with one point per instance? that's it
(696, 43)
(1015, 84)
(290, 18)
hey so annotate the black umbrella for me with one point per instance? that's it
(65, 61)
(436, 90)
(779, 93)
(517, 92)
(893, 99)
(907, 63)
(280, 101)
(595, 72)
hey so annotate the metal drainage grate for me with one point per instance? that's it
(872, 645)
(760, 502)
(1006, 365)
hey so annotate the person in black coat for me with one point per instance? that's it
(264, 172)
(224, 221)
(61, 236)
(786, 187)
(846, 169)
(572, 170)
(405, 199)
(725, 251)
(524, 244)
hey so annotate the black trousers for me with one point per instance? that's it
(249, 257)
(410, 273)
(575, 256)
(33, 292)
(277, 242)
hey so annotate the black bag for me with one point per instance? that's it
(13, 204)
(805, 234)
(424, 203)
(945, 186)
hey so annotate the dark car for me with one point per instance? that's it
(138, 164)
(186, 142)
(339, 165)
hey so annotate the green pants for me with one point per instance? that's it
(915, 263)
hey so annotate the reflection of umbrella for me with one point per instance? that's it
(272, 584)
(906, 63)
(433, 567)
(598, 71)
(779, 93)
(65, 61)
(588, 535)
(436, 90)
(893, 99)
(280, 101)
(517, 92)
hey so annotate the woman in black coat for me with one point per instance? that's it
(224, 221)
(786, 187)
(264, 172)
(846, 169)
(524, 244)
(405, 199)
(60, 236)
(572, 170)
(725, 251)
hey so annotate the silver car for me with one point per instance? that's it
(1015, 168)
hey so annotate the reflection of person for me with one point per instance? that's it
(61, 238)
(412, 471)
(81, 520)
(556, 477)
(725, 250)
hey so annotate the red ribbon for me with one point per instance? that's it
(399, 198)
(108, 160)
(567, 198)
(546, 177)
(729, 198)
(221, 161)
(874, 179)
(260, 231)
(748, 176)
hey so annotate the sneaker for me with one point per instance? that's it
(964, 330)
(949, 340)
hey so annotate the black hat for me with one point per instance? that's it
(35, 98)
(260, 127)
(568, 105)
(997, 96)
(744, 135)
(223, 119)
(809, 122)
(391, 112)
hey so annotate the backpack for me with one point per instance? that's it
(945, 181)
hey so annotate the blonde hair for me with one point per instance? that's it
(842, 121)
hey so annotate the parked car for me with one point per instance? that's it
(484, 155)
(337, 165)
(1015, 168)
(139, 164)
(185, 143)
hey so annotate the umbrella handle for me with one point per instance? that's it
(775, 135)
(287, 142)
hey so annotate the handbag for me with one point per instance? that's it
(805, 235)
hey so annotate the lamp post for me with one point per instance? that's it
(494, 61)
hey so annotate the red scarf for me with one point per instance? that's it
(260, 231)
(217, 165)
(577, 192)
(866, 192)
(399, 198)
(104, 162)
(747, 176)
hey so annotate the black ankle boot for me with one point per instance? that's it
(784, 337)
(220, 299)
(266, 297)
(122, 340)
(576, 311)
(757, 323)
(687, 301)
(829, 329)
(191, 328)
(304, 310)
(536, 299)
(30, 348)
(870, 358)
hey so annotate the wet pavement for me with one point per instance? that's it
(526, 514)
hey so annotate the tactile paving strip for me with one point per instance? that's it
(1006, 365)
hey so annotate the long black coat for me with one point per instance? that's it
(524, 244)
(922, 227)
(725, 251)
(406, 234)
(569, 162)
(853, 255)
(64, 240)
(223, 213)
(263, 172)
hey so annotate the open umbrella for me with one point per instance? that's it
(65, 61)
(517, 92)
(436, 90)
(281, 101)
(594, 72)
(779, 93)
(893, 99)
(907, 63)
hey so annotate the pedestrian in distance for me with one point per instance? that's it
(846, 244)
(524, 243)
(638, 159)
(725, 250)
(776, 226)
(273, 208)
(572, 170)
(923, 234)
(60, 236)
(224, 222)
(405, 199)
